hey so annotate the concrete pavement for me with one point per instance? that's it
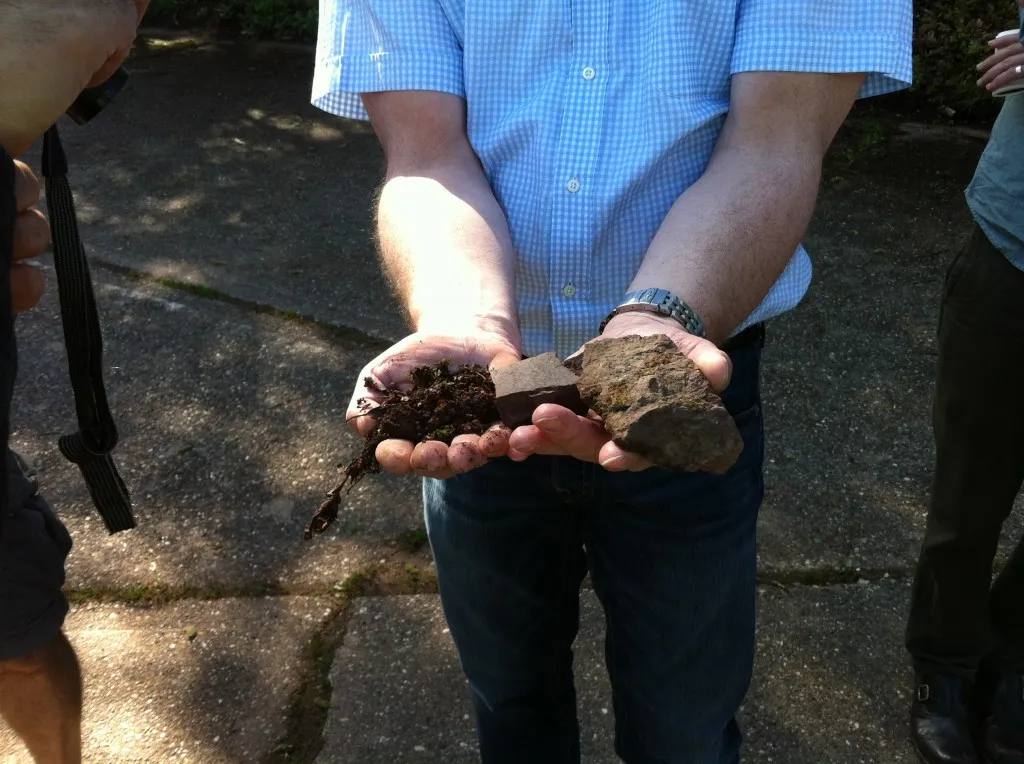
(229, 227)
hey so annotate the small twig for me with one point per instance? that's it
(326, 514)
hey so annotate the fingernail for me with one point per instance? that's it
(612, 462)
(551, 424)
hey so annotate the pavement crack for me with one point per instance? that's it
(311, 702)
(826, 576)
(205, 291)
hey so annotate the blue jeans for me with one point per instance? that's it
(672, 560)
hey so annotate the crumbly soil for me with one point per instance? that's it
(440, 405)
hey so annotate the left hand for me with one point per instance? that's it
(999, 69)
(31, 239)
(558, 431)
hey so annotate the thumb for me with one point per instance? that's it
(504, 358)
(713, 363)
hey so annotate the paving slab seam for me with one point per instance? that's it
(403, 576)
(308, 709)
(388, 578)
(342, 332)
(832, 576)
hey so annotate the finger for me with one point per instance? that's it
(359, 415)
(28, 285)
(1005, 39)
(494, 442)
(1006, 75)
(614, 458)
(26, 186)
(465, 454)
(394, 456)
(501, 360)
(518, 456)
(559, 431)
(31, 235)
(998, 57)
(713, 363)
(363, 400)
(1005, 64)
(122, 32)
(529, 440)
(430, 459)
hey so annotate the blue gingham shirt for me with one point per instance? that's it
(591, 118)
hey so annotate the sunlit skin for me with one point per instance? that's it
(555, 430)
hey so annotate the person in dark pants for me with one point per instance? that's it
(559, 171)
(50, 52)
(965, 633)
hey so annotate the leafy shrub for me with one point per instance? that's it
(950, 41)
(265, 19)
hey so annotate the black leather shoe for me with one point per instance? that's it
(1001, 733)
(940, 720)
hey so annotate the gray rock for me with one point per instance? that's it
(657, 403)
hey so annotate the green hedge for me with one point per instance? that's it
(266, 19)
(950, 39)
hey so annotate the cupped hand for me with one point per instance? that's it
(558, 431)
(391, 368)
(1000, 68)
(31, 239)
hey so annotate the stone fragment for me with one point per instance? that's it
(655, 402)
(523, 386)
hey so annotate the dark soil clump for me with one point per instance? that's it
(440, 405)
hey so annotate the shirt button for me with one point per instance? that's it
(572, 186)
(589, 73)
(569, 290)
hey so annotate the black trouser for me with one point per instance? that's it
(958, 617)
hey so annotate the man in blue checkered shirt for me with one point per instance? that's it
(544, 161)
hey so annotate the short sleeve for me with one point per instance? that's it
(368, 46)
(828, 36)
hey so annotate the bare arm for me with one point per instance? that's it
(447, 250)
(729, 236)
(444, 239)
(726, 239)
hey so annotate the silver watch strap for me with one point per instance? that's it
(662, 302)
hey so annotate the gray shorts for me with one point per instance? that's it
(32, 552)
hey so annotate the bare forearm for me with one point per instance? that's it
(447, 250)
(729, 237)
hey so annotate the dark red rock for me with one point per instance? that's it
(654, 401)
(523, 386)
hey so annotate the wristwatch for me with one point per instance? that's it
(662, 302)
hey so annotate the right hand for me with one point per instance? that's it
(391, 368)
(51, 52)
(999, 69)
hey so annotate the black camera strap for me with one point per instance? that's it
(90, 447)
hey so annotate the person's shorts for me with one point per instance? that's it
(32, 553)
